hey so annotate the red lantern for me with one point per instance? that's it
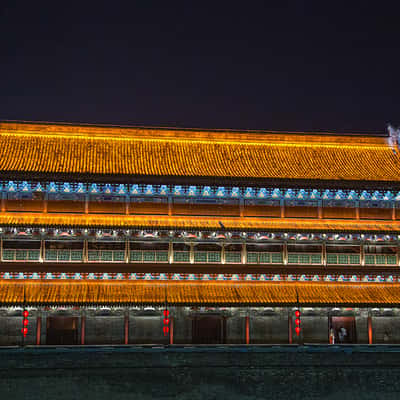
(25, 313)
(297, 321)
(166, 330)
(166, 313)
(25, 322)
(297, 313)
(24, 331)
(166, 321)
(297, 329)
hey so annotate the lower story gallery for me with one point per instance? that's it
(133, 312)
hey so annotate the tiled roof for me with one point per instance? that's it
(184, 222)
(85, 150)
(198, 293)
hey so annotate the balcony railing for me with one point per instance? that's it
(162, 256)
(380, 259)
(21, 255)
(342, 259)
(207, 257)
(63, 255)
(304, 258)
(264, 258)
(106, 255)
(138, 256)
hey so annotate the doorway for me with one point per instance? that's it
(62, 330)
(208, 329)
(344, 329)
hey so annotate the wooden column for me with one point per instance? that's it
(241, 207)
(393, 213)
(247, 329)
(244, 253)
(85, 251)
(38, 329)
(369, 324)
(169, 205)
(170, 252)
(222, 253)
(3, 202)
(290, 332)
(83, 328)
(282, 208)
(1, 249)
(285, 253)
(324, 253)
(358, 211)
(319, 209)
(127, 251)
(45, 201)
(171, 330)
(86, 204)
(191, 253)
(127, 205)
(362, 254)
(126, 328)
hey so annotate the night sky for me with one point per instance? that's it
(273, 65)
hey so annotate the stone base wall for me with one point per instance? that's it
(246, 372)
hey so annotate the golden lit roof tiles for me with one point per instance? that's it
(184, 222)
(198, 293)
(67, 149)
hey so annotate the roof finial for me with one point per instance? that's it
(394, 135)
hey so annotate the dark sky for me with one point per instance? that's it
(280, 65)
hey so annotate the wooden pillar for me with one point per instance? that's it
(170, 252)
(362, 254)
(393, 212)
(241, 207)
(85, 251)
(126, 327)
(3, 202)
(83, 328)
(244, 253)
(290, 327)
(319, 209)
(285, 253)
(324, 253)
(169, 205)
(42, 252)
(171, 330)
(127, 205)
(222, 253)
(86, 204)
(1, 249)
(38, 329)
(191, 253)
(282, 208)
(45, 201)
(358, 210)
(369, 324)
(247, 329)
(127, 251)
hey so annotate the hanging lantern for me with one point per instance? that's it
(24, 331)
(25, 313)
(166, 313)
(166, 330)
(166, 321)
(25, 322)
(297, 321)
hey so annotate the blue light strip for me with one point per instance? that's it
(302, 194)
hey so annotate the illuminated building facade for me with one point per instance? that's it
(102, 228)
